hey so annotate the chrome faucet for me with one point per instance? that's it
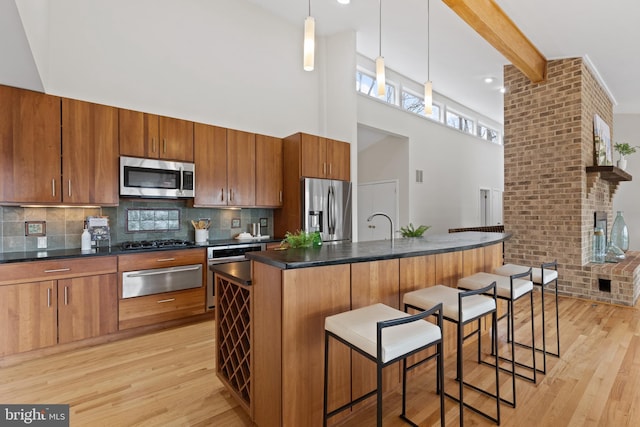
(385, 215)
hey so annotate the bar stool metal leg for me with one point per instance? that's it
(463, 308)
(362, 331)
(543, 277)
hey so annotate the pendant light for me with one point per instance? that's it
(380, 80)
(309, 41)
(428, 90)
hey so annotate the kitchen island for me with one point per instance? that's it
(292, 292)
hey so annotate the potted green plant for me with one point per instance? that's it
(624, 149)
(300, 239)
(410, 231)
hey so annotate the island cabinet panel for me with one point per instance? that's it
(28, 317)
(449, 268)
(30, 146)
(309, 296)
(89, 153)
(371, 283)
(417, 273)
(266, 345)
(473, 262)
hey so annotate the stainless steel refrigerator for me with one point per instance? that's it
(326, 207)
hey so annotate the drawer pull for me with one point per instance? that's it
(164, 271)
(57, 270)
(48, 297)
(165, 259)
(166, 300)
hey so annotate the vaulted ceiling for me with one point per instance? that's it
(605, 32)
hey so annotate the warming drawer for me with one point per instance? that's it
(160, 280)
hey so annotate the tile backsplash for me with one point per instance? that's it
(64, 225)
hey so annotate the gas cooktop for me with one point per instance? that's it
(156, 244)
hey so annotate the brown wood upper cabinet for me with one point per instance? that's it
(324, 158)
(269, 186)
(30, 146)
(89, 153)
(241, 170)
(153, 136)
(225, 166)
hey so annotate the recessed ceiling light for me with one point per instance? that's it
(344, 1)
(488, 80)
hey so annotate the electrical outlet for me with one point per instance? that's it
(42, 242)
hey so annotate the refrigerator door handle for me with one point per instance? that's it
(331, 221)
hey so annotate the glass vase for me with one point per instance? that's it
(620, 233)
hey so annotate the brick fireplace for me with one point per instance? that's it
(549, 197)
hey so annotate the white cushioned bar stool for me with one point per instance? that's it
(543, 276)
(509, 289)
(385, 335)
(462, 308)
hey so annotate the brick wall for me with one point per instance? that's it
(549, 199)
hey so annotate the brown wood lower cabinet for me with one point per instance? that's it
(151, 309)
(75, 304)
(87, 307)
(27, 317)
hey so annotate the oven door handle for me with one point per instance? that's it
(226, 259)
(163, 271)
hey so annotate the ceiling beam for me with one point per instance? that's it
(490, 21)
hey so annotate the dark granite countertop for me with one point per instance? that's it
(236, 271)
(346, 253)
(50, 254)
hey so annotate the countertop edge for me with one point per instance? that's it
(289, 265)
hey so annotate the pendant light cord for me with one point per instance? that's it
(380, 30)
(428, 41)
(309, 7)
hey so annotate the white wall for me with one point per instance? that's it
(227, 63)
(388, 159)
(625, 129)
(456, 165)
(232, 64)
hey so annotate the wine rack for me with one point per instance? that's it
(233, 338)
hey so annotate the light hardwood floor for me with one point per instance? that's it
(168, 378)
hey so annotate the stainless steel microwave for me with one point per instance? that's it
(156, 178)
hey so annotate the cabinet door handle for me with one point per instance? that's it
(324, 168)
(164, 145)
(166, 300)
(66, 295)
(53, 187)
(165, 259)
(69, 188)
(48, 297)
(153, 145)
(222, 194)
(330, 164)
(57, 270)
(230, 195)
(280, 196)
